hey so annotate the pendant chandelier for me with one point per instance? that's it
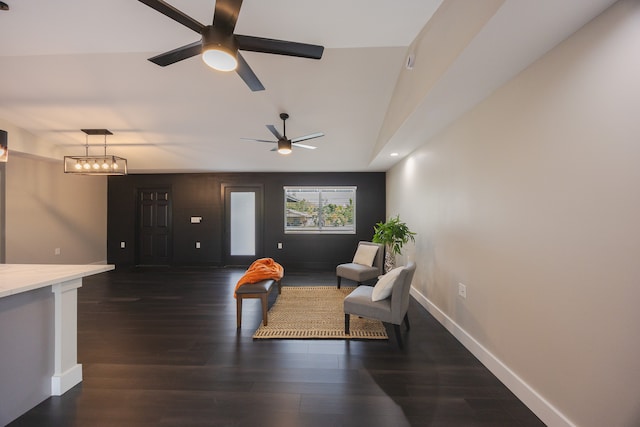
(95, 164)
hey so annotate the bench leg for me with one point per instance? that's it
(238, 311)
(263, 298)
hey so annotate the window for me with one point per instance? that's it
(330, 210)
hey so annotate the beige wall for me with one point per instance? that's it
(46, 209)
(532, 200)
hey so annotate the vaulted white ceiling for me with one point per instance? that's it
(74, 64)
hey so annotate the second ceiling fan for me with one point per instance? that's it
(219, 45)
(284, 144)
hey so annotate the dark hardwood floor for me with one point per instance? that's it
(160, 348)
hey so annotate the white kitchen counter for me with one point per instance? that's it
(38, 333)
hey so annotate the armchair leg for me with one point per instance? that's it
(339, 279)
(406, 321)
(347, 317)
(396, 329)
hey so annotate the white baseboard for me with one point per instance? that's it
(60, 384)
(549, 414)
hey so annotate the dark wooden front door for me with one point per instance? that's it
(154, 227)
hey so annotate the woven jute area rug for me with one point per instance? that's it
(316, 312)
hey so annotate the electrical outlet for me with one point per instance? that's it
(197, 245)
(279, 245)
(122, 245)
(56, 251)
(462, 290)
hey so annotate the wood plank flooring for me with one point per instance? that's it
(160, 348)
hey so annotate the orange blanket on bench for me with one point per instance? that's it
(261, 269)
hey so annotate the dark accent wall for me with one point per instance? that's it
(201, 195)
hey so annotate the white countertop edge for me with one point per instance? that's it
(35, 276)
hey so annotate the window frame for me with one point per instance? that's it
(289, 192)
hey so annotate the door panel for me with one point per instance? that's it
(154, 227)
(242, 227)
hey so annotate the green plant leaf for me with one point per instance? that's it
(393, 234)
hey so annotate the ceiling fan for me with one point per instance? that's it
(285, 144)
(219, 45)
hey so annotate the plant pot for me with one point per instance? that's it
(389, 261)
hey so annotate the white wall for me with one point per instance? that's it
(532, 200)
(46, 209)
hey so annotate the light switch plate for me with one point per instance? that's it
(462, 290)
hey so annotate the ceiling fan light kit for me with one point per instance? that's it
(219, 50)
(95, 164)
(284, 146)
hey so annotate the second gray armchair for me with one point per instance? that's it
(366, 265)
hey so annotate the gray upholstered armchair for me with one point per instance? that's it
(392, 309)
(364, 266)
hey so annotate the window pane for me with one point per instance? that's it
(320, 210)
(243, 223)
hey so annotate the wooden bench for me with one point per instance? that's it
(255, 290)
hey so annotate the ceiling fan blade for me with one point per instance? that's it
(279, 47)
(275, 132)
(246, 73)
(226, 13)
(259, 140)
(306, 137)
(178, 54)
(309, 147)
(171, 12)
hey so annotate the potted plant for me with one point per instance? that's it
(393, 234)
